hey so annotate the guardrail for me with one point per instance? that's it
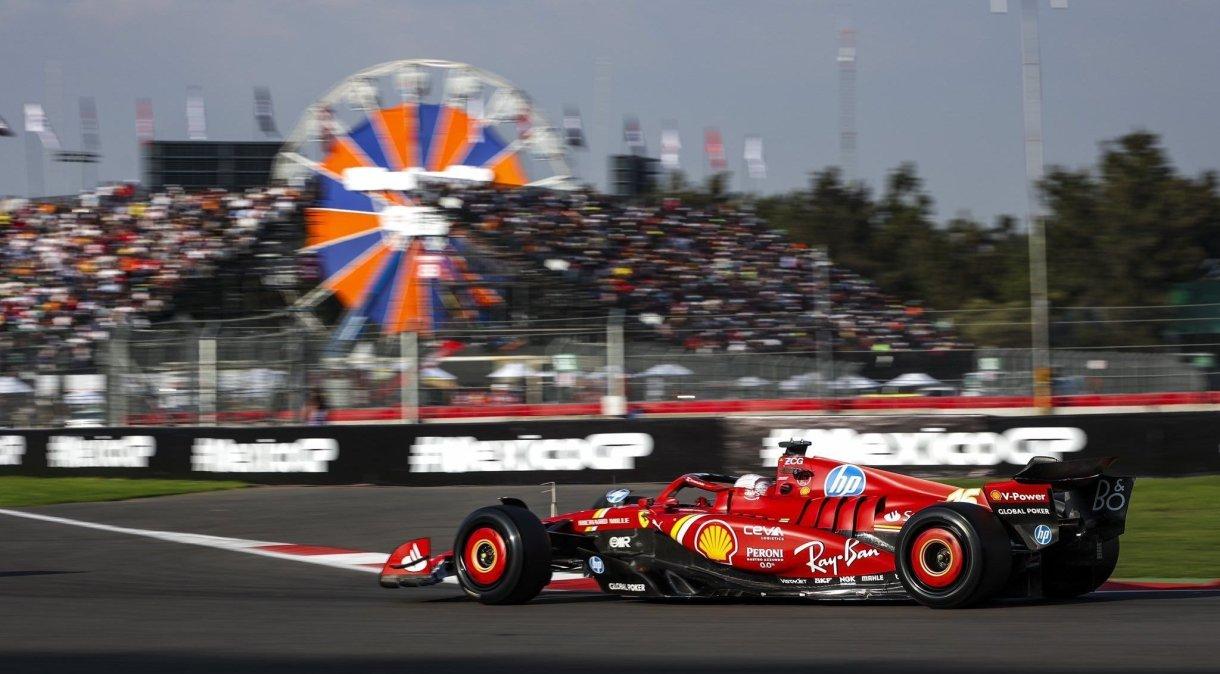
(707, 407)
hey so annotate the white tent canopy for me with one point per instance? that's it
(666, 370)
(436, 373)
(515, 370)
(853, 382)
(913, 379)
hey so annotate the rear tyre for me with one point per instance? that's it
(953, 555)
(503, 555)
(1067, 574)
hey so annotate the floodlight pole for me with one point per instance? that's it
(1031, 100)
(821, 276)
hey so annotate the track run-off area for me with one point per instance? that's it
(284, 579)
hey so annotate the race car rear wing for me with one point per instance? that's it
(1063, 473)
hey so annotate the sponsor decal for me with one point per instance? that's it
(596, 565)
(998, 496)
(793, 581)
(642, 518)
(805, 491)
(1112, 497)
(414, 561)
(847, 580)
(790, 460)
(602, 521)
(873, 579)
(128, 451)
(851, 554)
(619, 542)
(12, 448)
(600, 451)
(965, 496)
(822, 581)
(627, 587)
(222, 455)
(764, 532)
(765, 558)
(845, 480)
(1016, 512)
(1042, 534)
(716, 541)
(931, 447)
(896, 516)
(617, 496)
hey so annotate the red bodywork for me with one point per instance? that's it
(819, 524)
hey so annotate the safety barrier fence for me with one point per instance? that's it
(614, 450)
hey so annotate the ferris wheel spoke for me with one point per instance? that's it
(352, 282)
(330, 226)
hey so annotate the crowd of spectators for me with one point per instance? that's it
(71, 270)
(709, 279)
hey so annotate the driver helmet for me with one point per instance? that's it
(753, 484)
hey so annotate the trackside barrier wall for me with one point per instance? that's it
(613, 450)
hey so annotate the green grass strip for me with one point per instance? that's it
(33, 491)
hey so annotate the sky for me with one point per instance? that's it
(938, 81)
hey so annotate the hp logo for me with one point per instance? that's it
(844, 480)
(596, 565)
(1042, 534)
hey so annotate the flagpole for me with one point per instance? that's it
(33, 165)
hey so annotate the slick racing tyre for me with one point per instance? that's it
(953, 555)
(1069, 573)
(502, 555)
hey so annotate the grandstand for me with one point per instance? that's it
(452, 267)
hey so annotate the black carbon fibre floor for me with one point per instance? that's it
(74, 599)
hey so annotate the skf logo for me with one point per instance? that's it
(716, 541)
(845, 480)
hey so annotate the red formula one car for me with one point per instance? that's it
(820, 529)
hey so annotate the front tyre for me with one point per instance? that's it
(953, 555)
(503, 555)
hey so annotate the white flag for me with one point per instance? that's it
(755, 166)
(671, 146)
(196, 118)
(36, 122)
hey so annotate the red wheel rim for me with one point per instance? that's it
(484, 556)
(936, 557)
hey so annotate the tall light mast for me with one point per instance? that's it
(847, 103)
(1031, 101)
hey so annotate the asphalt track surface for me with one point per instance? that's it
(74, 599)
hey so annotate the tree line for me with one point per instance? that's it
(1120, 233)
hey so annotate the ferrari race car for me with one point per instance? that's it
(819, 529)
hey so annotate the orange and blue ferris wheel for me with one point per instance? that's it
(389, 260)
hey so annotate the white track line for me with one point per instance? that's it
(353, 561)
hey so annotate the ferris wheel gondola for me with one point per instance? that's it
(389, 260)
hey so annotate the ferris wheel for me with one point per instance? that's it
(372, 143)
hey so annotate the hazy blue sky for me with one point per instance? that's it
(938, 80)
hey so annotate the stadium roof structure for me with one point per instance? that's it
(376, 139)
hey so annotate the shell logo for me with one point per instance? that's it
(716, 541)
(995, 494)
